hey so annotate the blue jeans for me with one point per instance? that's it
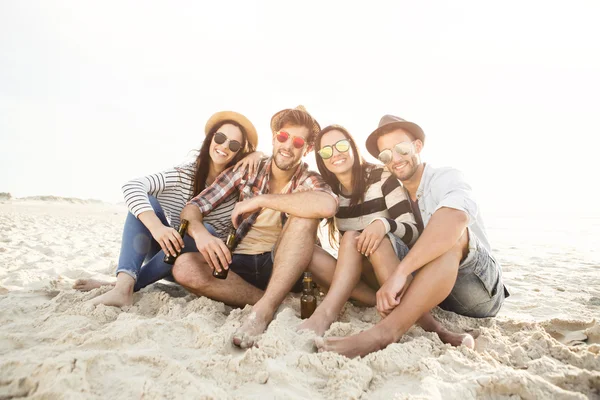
(141, 256)
(400, 248)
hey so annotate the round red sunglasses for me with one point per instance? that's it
(297, 141)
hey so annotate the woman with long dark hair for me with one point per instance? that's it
(155, 203)
(375, 225)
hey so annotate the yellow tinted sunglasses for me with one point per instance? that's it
(341, 146)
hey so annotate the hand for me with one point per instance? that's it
(390, 293)
(214, 251)
(370, 238)
(250, 162)
(243, 208)
(169, 239)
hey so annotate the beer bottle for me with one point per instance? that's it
(169, 259)
(308, 301)
(230, 243)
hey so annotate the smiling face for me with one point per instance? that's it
(403, 166)
(221, 154)
(340, 162)
(286, 156)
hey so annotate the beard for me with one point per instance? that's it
(408, 171)
(285, 164)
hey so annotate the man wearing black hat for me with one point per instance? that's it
(451, 261)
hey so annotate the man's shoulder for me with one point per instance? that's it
(443, 175)
(306, 172)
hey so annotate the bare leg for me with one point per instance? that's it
(345, 279)
(292, 256)
(431, 286)
(323, 265)
(193, 273)
(85, 285)
(119, 296)
(384, 262)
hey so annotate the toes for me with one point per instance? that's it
(468, 341)
(320, 343)
(238, 340)
(79, 283)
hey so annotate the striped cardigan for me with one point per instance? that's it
(384, 199)
(173, 189)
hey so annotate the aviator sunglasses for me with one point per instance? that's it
(342, 146)
(403, 148)
(221, 138)
(297, 141)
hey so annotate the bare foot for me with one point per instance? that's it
(85, 285)
(317, 323)
(353, 346)
(117, 297)
(248, 334)
(457, 339)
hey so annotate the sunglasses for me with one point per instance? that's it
(220, 138)
(342, 146)
(403, 148)
(297, 141)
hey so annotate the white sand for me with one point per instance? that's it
(544, 344)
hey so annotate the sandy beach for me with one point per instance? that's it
(544, 344)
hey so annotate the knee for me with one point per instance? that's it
(190, 271)
(384, 248)
(348, 239)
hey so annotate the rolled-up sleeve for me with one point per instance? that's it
(223, 186)
(315, 182)
(452, 190)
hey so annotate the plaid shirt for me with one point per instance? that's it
(255, 185)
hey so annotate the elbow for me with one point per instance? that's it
(462, 219)
(329, 207)
(124, 187)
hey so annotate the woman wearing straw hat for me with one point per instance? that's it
(155, 203)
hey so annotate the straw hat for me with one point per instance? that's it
(392, 122)
(222, 116)
(275, 120)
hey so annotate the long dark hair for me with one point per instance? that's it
(358, 182)
(203, 159)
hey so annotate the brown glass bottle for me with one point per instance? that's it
(230, 243)
(169, 259)
(308, 300)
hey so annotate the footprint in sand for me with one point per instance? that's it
(573, 333)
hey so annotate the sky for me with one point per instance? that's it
(93, 94)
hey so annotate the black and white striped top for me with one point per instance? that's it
(384, 199)
(173, 189)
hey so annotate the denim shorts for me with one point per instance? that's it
(479, 290)
(256, 269)
(400, 248)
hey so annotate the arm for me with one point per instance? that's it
(442, 232)
(309, 204)
(213, 250)
(455, 210)
(250, 162)
(136, 194)
(136, 191)
(400, 221)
